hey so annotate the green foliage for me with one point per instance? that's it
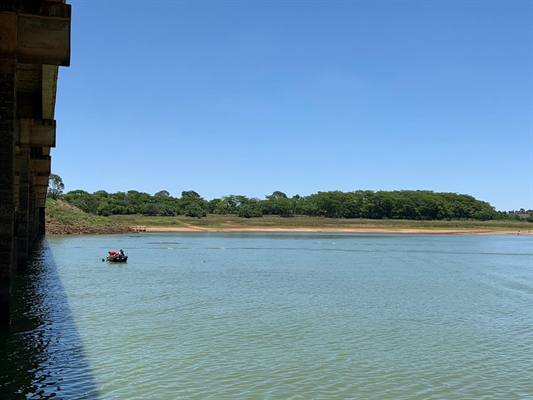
(62, 217)
(212, 205)
(279, 204)
(192, 204)
(55, 187)
(194, 209)
(419, 205)
(162, 193)
(251, 209)
(191, 194)
(404, 204)
(166, 210)
(82, 200)
(229, 204)
(150, 209)
(278, 195)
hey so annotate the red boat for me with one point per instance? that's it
(117, 257)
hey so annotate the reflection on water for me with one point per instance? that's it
(274, 316)
(42, 356)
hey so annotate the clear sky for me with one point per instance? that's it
(250, 97)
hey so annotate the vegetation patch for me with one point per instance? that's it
(102, 212)
(222, 222)
(63, 218)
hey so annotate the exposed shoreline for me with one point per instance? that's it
(347, 230)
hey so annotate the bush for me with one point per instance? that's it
(250, 211)
(194, 210)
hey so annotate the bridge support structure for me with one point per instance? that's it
(34, 42)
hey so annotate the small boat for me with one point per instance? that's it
(116, 257)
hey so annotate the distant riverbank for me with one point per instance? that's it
(107, 230)
(231, 223)
(354, 230)
(62, 218)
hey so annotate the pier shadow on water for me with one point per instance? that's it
(42, 355)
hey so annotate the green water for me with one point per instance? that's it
(274, 316)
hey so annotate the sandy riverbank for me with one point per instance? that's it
(343, 230)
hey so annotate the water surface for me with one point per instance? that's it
(274, 316)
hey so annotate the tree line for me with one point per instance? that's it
(398, 204)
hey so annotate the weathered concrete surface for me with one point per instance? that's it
(34, 217)
(34, 41)
(23, 220)
(7, 180)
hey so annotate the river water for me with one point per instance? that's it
(273, 316)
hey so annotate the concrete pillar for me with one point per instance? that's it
(34, 216)
(24, 216)
(42, 227)
(8, 67)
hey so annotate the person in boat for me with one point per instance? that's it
(121, 255)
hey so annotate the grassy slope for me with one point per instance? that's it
(64, 218)
(231, 221)
(61, 217)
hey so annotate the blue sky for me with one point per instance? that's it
(250, 97)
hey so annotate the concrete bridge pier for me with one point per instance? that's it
(34, 42)
(34, 216)
(7, 180)
(23, 211)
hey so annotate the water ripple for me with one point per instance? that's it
(293, 317)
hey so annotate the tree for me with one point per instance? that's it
(194, 210)
(190, 194)
(212, 205)
(251, 209)
(55, 186)
(226, 205)
(167, 210)
(192, 204)
(162, 193)
(83, 200)
(278, 195)
(151, 209)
